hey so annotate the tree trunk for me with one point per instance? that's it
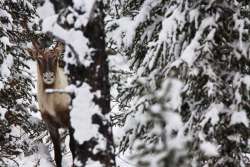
(96, 76)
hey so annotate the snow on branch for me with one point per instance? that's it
(74, 40)
(126, 31)
(83, 108)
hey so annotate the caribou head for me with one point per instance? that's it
(47, 60)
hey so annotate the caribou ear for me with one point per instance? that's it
(33, 52)
(59, 48)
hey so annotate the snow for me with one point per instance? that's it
(83, 108)
(124, 160)
(125, 33)
(87, 7)
(67, 91)
(193, 17)
(40, 154)
(212, 114)
(2, 111)
(40, 158)
(118, 62)
(28, 5)
(46, 10)
(240, 79)
(91, 163)
(209, 149)
(169, 27)
(168, 94)
(239, 117)
(70, 18)
(6, 66)
(143, 14)
(189, 55)
(156, 108)
(73, 38)
(246, 81)
(5, 14)
(5, 41)
(124, 25)
(239, 25)
(174, 121)
(171, 88)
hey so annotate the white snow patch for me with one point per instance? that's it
(87, 7)
(212, 114)
(46, 10)
(126, 31)
(73, 38)
(193, 16)
(118, 62)
(156, 108)
(6, 66)
(91, 163)
(5, 41)
(171, 90)
(124, 159)
(170, 25)
(174, 121)
(41, 158)
(246, 81)
(81, 114)
(4, 13)
(209, 149)
(239, 117)
(189, 55)
(2, 111)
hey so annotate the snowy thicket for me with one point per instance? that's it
(185, 100)
(19, 131)
(178, 75)
(80, 26)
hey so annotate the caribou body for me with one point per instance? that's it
(54, 107)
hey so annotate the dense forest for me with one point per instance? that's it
(149, 83)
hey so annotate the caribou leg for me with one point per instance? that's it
(55, 137)
(72, 143)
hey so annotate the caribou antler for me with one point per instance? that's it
(35, 45)
(58, 47)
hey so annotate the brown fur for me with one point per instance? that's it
(54, 107)
(55, 104)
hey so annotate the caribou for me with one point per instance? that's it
(54, 107)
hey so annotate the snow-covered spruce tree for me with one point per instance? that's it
(17, 126)
(80, 25)
(187, 103)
